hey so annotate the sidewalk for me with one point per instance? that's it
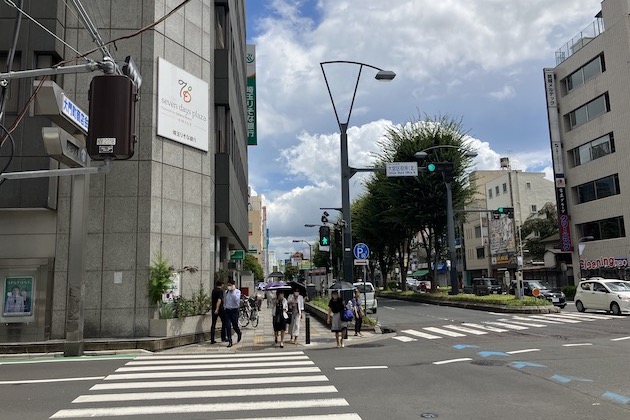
(262, 338)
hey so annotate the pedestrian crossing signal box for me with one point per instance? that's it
(324, 236)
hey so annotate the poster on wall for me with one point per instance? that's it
(182, 108)
(18, 296)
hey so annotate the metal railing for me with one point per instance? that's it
(585, 36)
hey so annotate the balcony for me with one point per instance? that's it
(585, 36)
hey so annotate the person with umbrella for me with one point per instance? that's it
(279, 313)
(337, 325)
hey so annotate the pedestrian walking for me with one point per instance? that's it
(218, 312)
(337, 325)
(296, 306)
(357, 308)
(279, 313)
(231, 306)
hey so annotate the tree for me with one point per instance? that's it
(290, 271)
(251, 263)
(538, 226)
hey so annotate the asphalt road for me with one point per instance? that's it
(572, 366)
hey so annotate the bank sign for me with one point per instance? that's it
(182, 109)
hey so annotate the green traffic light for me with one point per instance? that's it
(324, 241)
(431, 167)
(500, 209)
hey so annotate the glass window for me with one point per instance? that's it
(481, 253)
(578, 117)
(595, 149)
(586, 192)
(477, 231)
(589, 111)
(596, 107)
(534, 208)
(605, 187)
(504, 187)
(592, 69)
(585, 73)
(528, 186)
(600, 188)
(603, 229)
(496, 190)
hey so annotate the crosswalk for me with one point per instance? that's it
(502, 325)
(268, 386)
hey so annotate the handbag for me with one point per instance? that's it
(347, 314)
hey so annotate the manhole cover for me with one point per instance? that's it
(488, 362)
(428, 415)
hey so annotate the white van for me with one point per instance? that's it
(368, 296)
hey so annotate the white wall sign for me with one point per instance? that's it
(182, 109)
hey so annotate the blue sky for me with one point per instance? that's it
(478, 61)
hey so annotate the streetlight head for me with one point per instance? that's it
(420, 155)
(385, 75)
(309, 225)
(296, 240)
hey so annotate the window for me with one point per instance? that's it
(481, 253)
(603, 229)
(534, 208)
(528, 186)
(595, 149)
(589, 111)
(496, 190)
(585, 73)
(477, 231)
(490, 193)
(598, 189)
(504, 187)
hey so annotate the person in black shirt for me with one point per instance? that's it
(217, 311)
(337, 325)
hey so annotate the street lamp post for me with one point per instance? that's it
(450, 221)
(310, 257)
(346, 174)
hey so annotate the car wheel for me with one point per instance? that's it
(615, 309)
(580, 307)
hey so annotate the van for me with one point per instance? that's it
(483, 286)
(368, 296)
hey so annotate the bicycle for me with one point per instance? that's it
(244, 313)
(254, 315)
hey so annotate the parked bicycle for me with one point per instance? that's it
(248, 313)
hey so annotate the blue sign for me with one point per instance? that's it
(75, 114)
(361, 251)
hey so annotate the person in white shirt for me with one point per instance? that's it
(296, 306)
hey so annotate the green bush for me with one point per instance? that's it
(392, 285)
(569, 292)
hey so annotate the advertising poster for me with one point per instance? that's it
(18, 296)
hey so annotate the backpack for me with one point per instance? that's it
(347, 314)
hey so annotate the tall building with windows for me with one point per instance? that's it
(588, 103)
(183, 194)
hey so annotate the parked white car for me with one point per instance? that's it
(367, 295)
(603, 294)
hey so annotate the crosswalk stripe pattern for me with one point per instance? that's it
(238, 384)
(502, 325)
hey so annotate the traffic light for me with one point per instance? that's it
(324, 236)
(112, 127)
(508, 211)
(337, 238)
(439, 167)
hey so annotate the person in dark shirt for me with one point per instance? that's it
(337, 325)
(217, 311)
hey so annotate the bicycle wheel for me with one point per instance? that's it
(255, 318)
(243, 318)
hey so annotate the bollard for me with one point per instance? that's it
(307, 323)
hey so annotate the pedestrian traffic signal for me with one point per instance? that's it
(324, 236)
(508, 211)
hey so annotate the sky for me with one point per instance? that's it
(478, 61)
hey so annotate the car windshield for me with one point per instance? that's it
(619, 286)
(493, 282)
(536, 285)
(368, 287)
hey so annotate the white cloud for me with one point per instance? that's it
(506, 93)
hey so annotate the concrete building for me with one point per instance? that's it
(183, 194)
(588, 102)
(257, 215)
(493, 245)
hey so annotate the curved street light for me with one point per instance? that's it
(450, 222)
(382, 75)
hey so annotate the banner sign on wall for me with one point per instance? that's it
(250, 95)
(182, 111)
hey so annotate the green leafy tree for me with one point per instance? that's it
(538, 226)
(251, 263)
(290, 272)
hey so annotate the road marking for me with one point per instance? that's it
(444, 332)
(563, 319)
(198, 408)
(616, 397)
(527, 324)
(209, 382)
(420, 334)
(574, 318)
(197, 374)
(68, 359)
(213, 393)
(359, 367)
(220, 356)
(537, 319)
(620, 339)
(274, 359)
(466, 330)
(46, 381)
(444, 362)
(581, 315)
(522, 351)
(217, 366)
(404, 338)
(521, 365)
(389, 307)
(492, 353)
(577, 344)
(506, 325)
(484, 327)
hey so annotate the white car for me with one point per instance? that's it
(603, 294)
(367, 295)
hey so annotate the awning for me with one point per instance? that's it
(420, 273)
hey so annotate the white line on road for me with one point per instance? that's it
(276, 359)
(212, 366)
(444, 332)
(510, 326)
(620, 339)
(444, 362)
(220, 356)
(360, 367)
(213, 393)
(201, 374)
(45, 381)
(562, 318)
(466, 330)
(484, 327)
(209, 382)
(198, 408)
(404, 338)
(577, 344)
(420, 334)
(389, 307)
(539, 319)
(522, 351)
(527, 324)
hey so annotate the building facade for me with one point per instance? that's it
(187, 202)
(588, 103)
(258, 231)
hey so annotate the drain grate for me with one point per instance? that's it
(488, 362)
